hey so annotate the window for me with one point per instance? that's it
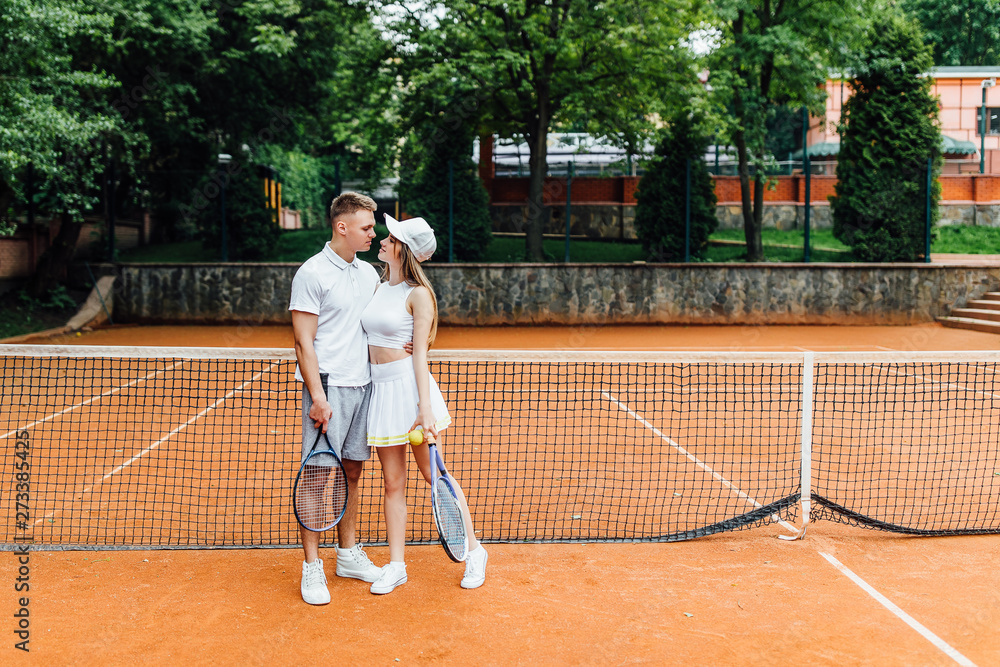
(992, 123)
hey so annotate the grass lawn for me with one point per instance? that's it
(511, 249)
(962, 240)
(779, 246)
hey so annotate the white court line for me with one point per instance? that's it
(939, 643)
(174, 432)
(950, 385)
(91, 400)
(694, 459)
(713, 390)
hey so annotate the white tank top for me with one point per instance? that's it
(386, 320)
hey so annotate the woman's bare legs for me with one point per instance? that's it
(421, 453)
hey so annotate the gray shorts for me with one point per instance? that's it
(348, 425)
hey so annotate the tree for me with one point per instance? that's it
(52, 114)
(536, 64)
(424, 191)
(252, 79)
(163, 86)
(889, 128)
(771, 53)
(962, 32)
(659, 214)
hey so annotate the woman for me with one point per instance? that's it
(404, 394)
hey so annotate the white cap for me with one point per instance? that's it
(416, 234)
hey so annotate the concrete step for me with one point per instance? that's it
(976, 314)
(983, 305)
(991, 296)
(970, 323)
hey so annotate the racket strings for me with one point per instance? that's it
(320, 496)
(448, 515)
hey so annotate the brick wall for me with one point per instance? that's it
(586, 190)
(979, 188)
(986, 188)
(15, 258)
(15, 251)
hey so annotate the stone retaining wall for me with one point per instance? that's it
(495, 294)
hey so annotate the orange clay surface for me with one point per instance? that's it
(592, 337)
(744, 598)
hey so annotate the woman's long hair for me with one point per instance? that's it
(413, 274)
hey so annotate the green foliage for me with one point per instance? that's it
(889, 130)
(659, 214)
(21, 313)
(424, 192)
(772, 54)
(521, 67)
(307, 182)
(57, 298)
(250, 227)
(965, 32)
(784, 132)
(52, 111)
(252, 78)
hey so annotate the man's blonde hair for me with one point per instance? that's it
(348, 203)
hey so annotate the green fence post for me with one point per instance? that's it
(808, 177)
(451, 211)
(927, 220)
(687, 210)
(569, 205)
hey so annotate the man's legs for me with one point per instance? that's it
(347, 528)
(310, 544)
(346, 431)
(352, 561)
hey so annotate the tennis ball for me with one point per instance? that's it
(416, 436)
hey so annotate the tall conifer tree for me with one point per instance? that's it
(889, 128)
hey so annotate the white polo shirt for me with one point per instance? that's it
(337, 292)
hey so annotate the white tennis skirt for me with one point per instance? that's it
(393, 407)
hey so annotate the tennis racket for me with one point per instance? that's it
(320, 493)
(444, 504)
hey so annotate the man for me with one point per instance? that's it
(329, 292)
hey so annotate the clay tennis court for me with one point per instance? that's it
(733, 598)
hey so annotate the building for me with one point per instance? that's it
(960, 91)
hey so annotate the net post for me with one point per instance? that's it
(807, 433)
(805, 484)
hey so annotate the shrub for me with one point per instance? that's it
(888, 131)
(659, 214)
(423, 189)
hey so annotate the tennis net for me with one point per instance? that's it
(113, 447)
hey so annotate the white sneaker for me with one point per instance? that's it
(392, 575)
(354, 563)
(314, 589)
(475, 568)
